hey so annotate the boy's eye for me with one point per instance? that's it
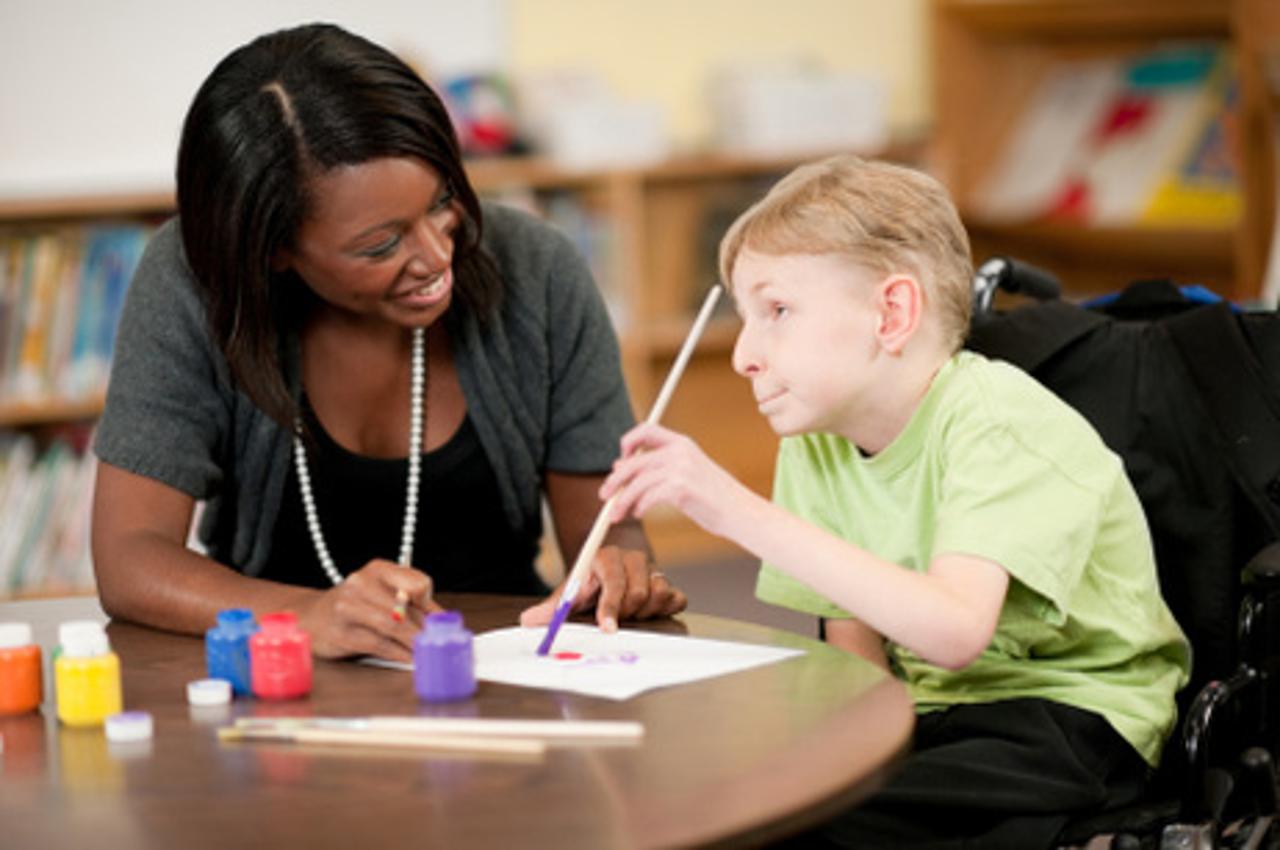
(778, 310)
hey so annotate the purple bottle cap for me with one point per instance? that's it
(444, 621)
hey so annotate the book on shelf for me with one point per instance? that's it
(61, 292)
(45, 502)
(593, 234)
(17, 456)
(1140, 140)
(111, 256)
(26, 567)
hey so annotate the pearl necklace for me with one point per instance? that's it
(417, 393)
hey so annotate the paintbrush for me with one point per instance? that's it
(595, 537)
(550, 731)
(300, 733)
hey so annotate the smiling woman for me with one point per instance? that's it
(380, 245)
(339, 349)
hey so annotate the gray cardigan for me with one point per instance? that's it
(543, 386)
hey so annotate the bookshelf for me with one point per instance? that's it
(64, 264)
(991, 57)
(650, 234)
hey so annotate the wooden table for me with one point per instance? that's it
(739, 759)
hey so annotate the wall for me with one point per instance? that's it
(664, 50)
(92, 93)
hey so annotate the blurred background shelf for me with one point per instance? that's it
(52, 411)
(650, 234)
(990, 59)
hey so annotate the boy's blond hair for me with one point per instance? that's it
(883, 217)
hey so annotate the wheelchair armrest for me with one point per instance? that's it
(1264, 567)
(1207, 717)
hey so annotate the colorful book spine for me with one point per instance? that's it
(61, 293)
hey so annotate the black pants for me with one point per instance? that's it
(1000, 775)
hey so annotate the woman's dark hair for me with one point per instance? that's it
(273, 115)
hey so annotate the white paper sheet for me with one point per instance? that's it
(617, 666)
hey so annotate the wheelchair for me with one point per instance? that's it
(1216, 786)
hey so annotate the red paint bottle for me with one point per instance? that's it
(20, 678)
(280, 658)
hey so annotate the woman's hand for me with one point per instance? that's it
(622, 585)
(358, 617)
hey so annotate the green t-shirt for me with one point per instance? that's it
(994, 465)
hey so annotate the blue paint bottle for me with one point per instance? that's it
(443, 664)
(226, 648)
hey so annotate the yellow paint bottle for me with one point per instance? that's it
(86, 674)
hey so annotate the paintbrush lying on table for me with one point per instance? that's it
(455, 734)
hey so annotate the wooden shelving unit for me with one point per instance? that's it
(990, 56)
(1256, 34)
(664, 222)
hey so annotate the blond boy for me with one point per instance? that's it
(948, 517)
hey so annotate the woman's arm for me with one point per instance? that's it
(146, 574)
(854, 636)
(622, 573)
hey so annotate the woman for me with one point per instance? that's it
(350, 359)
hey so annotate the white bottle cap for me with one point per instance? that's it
(83, 639)
(129, 726)
(14, 635)
(209, 692)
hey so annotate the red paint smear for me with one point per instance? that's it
(568, 656)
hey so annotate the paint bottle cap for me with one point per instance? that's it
(83, 639)
(445, 627)
(279, 621)
(209, 692)
(129, 726)
(14, 635)
(232, 621)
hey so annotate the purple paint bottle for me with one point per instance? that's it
(443, 665)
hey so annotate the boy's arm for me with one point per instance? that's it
(946, 616)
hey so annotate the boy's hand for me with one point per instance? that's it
(660, 466)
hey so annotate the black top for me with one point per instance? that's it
(463, 539)
(541, 376)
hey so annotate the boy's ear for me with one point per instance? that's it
(900, 308)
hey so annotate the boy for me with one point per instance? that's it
(950, 518)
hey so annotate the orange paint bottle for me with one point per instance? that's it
(20, 675)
